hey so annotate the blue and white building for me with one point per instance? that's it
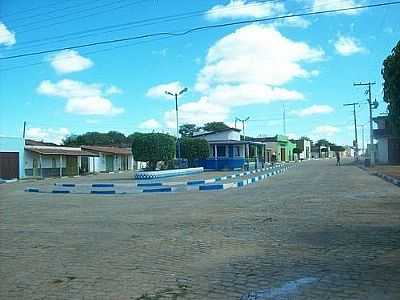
(229, 152)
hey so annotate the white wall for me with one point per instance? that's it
(100, 162)
(221, 136)
(382, 154)
(47, 160)
(14, 144)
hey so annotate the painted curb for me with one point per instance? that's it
(159, 190)
(150, 184)
(61, 191)
(109, 192)
(65, 184)
(388, 178)
(102, 185)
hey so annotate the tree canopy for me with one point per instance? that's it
(97, 138)
(214, 126)
(193, 149)
(187, 130)
(153, 147)
(323, 142)
(391, 86)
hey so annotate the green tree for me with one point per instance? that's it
(391, 86)
(337, 148)
(193, 149)
(305, 138)
(112, 138)
(153, 147)
(116, 138)
(323, 142)
(187, 130)
(215, 126)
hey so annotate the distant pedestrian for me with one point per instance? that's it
(337, 158)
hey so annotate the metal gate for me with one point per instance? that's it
(9, 165)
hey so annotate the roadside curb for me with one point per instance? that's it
(202, 185)
(242, 183)
(387, 178)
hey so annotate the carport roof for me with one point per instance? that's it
(59, 151)
(108, 149)
(234, 142)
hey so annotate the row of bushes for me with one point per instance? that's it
(155, 147)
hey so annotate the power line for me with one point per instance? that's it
(87, 53)
(199, 28)
(137, 23)
(93, 13)
(49, 12)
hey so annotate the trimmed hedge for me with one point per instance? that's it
(193, 149)
(153, 147)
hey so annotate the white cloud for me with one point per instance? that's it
(162, 52)
(313, 110)
(321, 5)
(198, 112)
(82, 98)
(245, 9)
(113, 90)
(158, 91)
(256, 54)
(68, 61)
(7, 37)
(325, 131)
(348, 45)
(293, 22)
(250, 93)
(150, 124)
(47, 134)
(292, 136)
(243, 68)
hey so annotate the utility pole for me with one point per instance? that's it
(243, 121)
(284, 119)
(23, 133)
(355, 125)
(363, 145)
(177, 121)
(371, 106)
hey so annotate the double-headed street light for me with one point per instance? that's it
(177, 122)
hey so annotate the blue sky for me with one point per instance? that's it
(306, 64)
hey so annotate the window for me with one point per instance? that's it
(53, 163)
(220, 151)
(237, 151)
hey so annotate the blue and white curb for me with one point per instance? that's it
(242, 183)
(388, 178)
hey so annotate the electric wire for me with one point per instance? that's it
(195, 29)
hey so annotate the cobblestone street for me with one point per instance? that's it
(316, 232)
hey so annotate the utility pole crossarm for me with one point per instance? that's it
(368, 92)
(355, 125)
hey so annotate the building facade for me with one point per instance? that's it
(108, 159)
(304, 146)
(387, 149)
(12, 158)
(53, 161)
(279, 146)
(229, 152)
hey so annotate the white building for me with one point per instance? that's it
(108, 159)
(52, 161)
(304, 145)
(11, 158)
(388, 146)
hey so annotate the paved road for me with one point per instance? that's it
(316, 232)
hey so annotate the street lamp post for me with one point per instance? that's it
(177, 120)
